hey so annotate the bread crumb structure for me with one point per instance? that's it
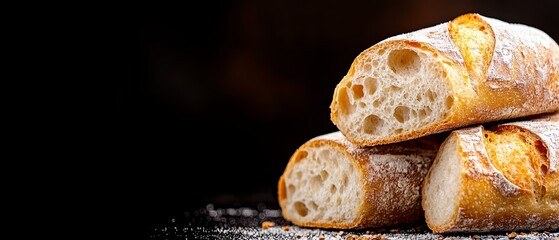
(473, 69)
(331, 183)
(503, 178)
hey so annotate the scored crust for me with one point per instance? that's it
(473, 69)
(503, 178)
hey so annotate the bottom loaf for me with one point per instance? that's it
(331, 183)
(503, 178)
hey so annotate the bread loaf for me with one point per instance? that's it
(500, 178)
(332, 183)
(471, 70)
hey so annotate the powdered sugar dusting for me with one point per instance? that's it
(436, 36)
(527, 59)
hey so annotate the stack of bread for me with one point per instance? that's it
(456, 125)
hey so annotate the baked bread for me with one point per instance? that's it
(500, 178)
(332, 183)
(471, 70)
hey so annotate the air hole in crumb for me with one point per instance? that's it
(343, 101)
(431, 95)
(428, 110)
(422, 113)
(324, 174)
(449, 102)
(314, 206)
(357, 91)
(376, 103)
(316, 181)
(300, 155)
(367, 67)
(372, 123)
(371, 85)
(398, 131)
(404, 62)
(339, 201)
(381, 51)
(362, 105)
(402, 114)
(290, 189)
(395, 88)
(333, 188)
(418, 97)
(301, 209)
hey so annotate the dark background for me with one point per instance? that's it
(197, 103)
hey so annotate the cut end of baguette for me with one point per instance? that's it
(391, 90)
(322, 189)
(441, 189)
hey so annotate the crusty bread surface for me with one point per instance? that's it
(503, 177)
(471, 70)
(331, 183)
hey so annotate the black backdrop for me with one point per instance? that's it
(205, 102)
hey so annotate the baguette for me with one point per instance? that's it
(332, 183)
(471, 70)
(500, 178)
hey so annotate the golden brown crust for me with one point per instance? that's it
(512, 192)
(518, 76)
(391, 177)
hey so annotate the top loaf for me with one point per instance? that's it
(473, 69)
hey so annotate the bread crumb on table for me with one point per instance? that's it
(511, 235)
(268, 224)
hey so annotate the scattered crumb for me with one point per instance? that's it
(511, 235)
(352, 237)
(321, 238)
(546, 232)
(395, 230)
(340, 233)
(366, 237)
(298, 235)
(380, 237)
(475, 236)
(285, 228)
(522, 233)
(535, 232)
(268, 224)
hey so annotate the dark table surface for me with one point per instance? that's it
(262, 222)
